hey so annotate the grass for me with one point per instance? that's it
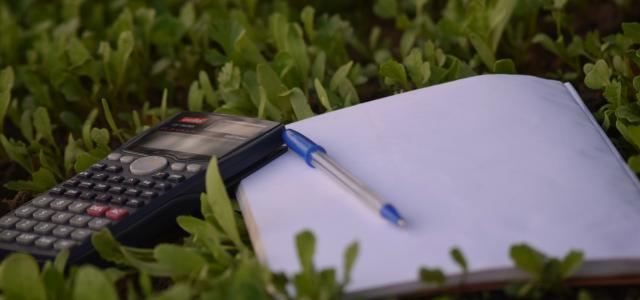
(77, 78)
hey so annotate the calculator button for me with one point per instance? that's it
(160, 175)
(132, 192)
(135, 203)
(61, 217)
(193, 168)
(24, 211)
(147, 165)
(60, 204)
(177, 167)
(148, 194)
(147, 183)
(114, 156)
(8, 235)
(26, 225)
(86, 185)
(103, 198)
(85, 174)
(81, 234)
(45, 242)
(114, 169)
(79, 221)
(116, 190)
(101, 187)
(175, 178)
(63, 244)
(116, 213)
(70, 183)
(127, 159)
(43, 214)
(119, 200)
(132, 181)
(41, 201)
(78, 207)
(8, 221)
(62, 231)
(57, 190)
(26, 238)
(72, 193)
(44, 228)
(115, 179)
(101, 176)
(163, 186)
(97, 224)
(88, 195)
(98, 167)
(96, 210)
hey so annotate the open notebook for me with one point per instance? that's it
(480, 163)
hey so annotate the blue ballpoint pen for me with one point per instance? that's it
(316, 157)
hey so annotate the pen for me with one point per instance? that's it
(316, 157)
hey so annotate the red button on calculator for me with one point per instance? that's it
(96, 210)
(117, 213)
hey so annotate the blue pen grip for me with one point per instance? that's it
(301, 145)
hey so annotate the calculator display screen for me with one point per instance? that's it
(198, 136)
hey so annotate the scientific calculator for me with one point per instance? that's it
(139, 189)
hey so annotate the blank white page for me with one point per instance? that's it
(480, 163)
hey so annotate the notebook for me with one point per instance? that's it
(480, 163)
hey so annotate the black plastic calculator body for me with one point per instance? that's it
(139, 189)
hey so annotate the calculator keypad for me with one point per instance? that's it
(106, 193)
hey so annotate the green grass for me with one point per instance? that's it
(77, 78)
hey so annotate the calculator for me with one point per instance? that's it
(138, 190)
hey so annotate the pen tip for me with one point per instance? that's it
(401, 223)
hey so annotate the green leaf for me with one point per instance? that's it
(167, 31)
(322, 95)
(597, 76)
(61, 260)
(571, 263)
(109, 117)
(7, 78)
(163, 104)
(527, 259)
(340, 76)
(90, 283)
(307, 20)
(274, 88)
(306, 246)
(483, 49)
(220, 203)
(613, 93)
(86, 128)
(350, 256)
(20, 278)
(195, 97)
(205, 84)
(180, 260)
(187, 15)
(100, 136)
(632, 31)
(458, 257)
(395, 72)
(107, 246)
(300, 104)
(178, 291)
(634, 163)
(319, 66)
(385, 9)
(434, 276)
(42, 124)
(17, 152)
(504, 66)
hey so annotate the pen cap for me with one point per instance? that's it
(301, 145)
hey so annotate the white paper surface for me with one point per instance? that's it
(480, 163)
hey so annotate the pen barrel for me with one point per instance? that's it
(323, 162)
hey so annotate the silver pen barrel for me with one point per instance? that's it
(323, 162)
